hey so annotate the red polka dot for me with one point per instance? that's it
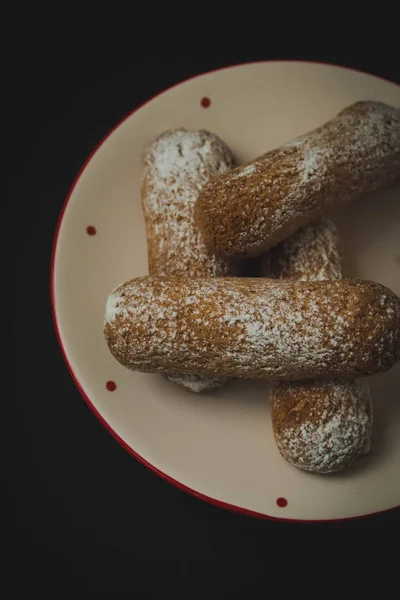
(90, 230)
(281, 502)
(111, 386)
(205, 102)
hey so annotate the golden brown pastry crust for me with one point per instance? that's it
(254, 327)
(254, 207)
(310, 254)
(177, 164)
(319, 426)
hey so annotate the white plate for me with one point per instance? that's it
(220, 447)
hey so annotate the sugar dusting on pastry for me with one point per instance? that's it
(112, 307)
(255, 206)
(254, 327)
(327, 434)
(177, 164)
(322, 426)
(196, 383)
(310, 254)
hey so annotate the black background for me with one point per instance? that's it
(82, 507)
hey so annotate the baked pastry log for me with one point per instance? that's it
(254, 207)
(254, 327)
(177, 164)
(324, 425)
(310, 254)
(320, 426)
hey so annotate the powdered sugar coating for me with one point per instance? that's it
(197, 383)
(310, 254)
(254, 327)
(177, 164)
(255, 206)
(327, 434)
(321, 426)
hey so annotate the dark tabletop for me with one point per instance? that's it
(83, 505)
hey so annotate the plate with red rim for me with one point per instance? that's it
(220, 446)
